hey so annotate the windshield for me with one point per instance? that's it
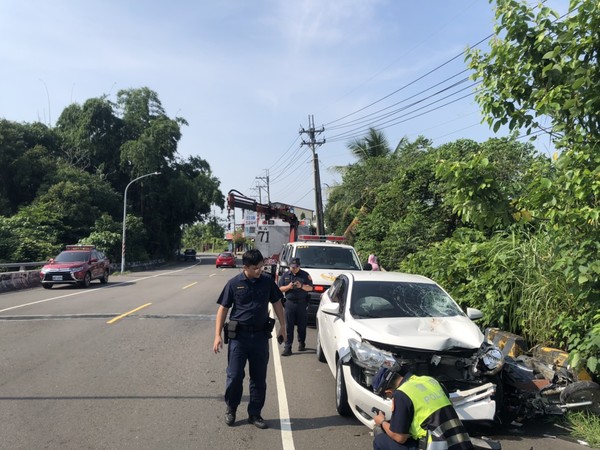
(67, 257)
(371, 299)
(327, 257)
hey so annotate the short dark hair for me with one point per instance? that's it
(252, 257)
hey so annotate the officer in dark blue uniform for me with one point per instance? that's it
(248, 331)
(295, 284)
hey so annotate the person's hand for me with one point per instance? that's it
(379, 418)
(217, 344)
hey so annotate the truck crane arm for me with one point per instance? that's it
(236, 199)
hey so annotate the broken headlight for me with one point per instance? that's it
(370, 357)
(490, 360)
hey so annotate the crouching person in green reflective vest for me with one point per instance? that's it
(421, 411)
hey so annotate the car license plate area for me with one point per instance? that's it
(57, 277)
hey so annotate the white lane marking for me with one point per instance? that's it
(287, 438)
(92, 291)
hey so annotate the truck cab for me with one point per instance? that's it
(324, 258)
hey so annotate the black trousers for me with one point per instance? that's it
(296, 314)
(252, 348)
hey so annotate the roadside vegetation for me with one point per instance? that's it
(205, 237)
(502, 226)
(65, 185)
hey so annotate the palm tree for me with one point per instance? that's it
(373, 145)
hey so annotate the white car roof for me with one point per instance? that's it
(319, 244)
(376, 275)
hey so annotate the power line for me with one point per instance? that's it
(408, 84)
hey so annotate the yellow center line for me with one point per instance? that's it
(190, 285)
(127, 313)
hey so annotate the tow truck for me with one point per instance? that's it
(271, 234)
(323, 257)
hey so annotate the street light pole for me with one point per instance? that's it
(125, 217)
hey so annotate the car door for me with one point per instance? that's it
(285, 257)
(95, 265)
(329, 330)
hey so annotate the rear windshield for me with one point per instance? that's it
(327, 257)
(66, 257)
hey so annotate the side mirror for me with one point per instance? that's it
(474, 313)
(332, 309)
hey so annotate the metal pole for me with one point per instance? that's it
(125, 217)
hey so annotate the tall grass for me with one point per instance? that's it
(585, 426)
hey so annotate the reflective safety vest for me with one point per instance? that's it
(427, 397)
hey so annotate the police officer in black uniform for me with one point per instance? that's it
(249, 329)
(295, 284)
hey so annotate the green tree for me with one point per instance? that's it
(350, 201)
(28, 153)
(107, 235)
(484, 186)
(150, 136)
(92, 136)
(66, 181)
(207, 236)
(409, 212)
(543, 69)
(373, 145)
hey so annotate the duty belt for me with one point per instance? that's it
(242, 327)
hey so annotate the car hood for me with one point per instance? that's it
(426, 333)
(323, 276)
(64, 265)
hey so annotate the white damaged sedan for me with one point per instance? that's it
(367, 320)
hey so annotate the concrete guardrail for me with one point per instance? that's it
(24, 279)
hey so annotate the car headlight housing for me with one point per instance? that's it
(76, 269)
(490, 360)
(370, 357)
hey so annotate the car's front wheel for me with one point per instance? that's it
(104, 278)
(320, 354)
(341, 394)
(87, 279)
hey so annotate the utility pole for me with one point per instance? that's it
(313, 144)
(266, 180)
(259, 190)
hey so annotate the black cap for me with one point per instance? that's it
(384, 376)
(382, 379)
(295, 262)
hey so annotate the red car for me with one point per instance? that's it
(78, 264)
(225, 259)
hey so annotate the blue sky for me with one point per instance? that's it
(247, 74)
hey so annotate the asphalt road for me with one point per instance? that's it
(129, 365)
